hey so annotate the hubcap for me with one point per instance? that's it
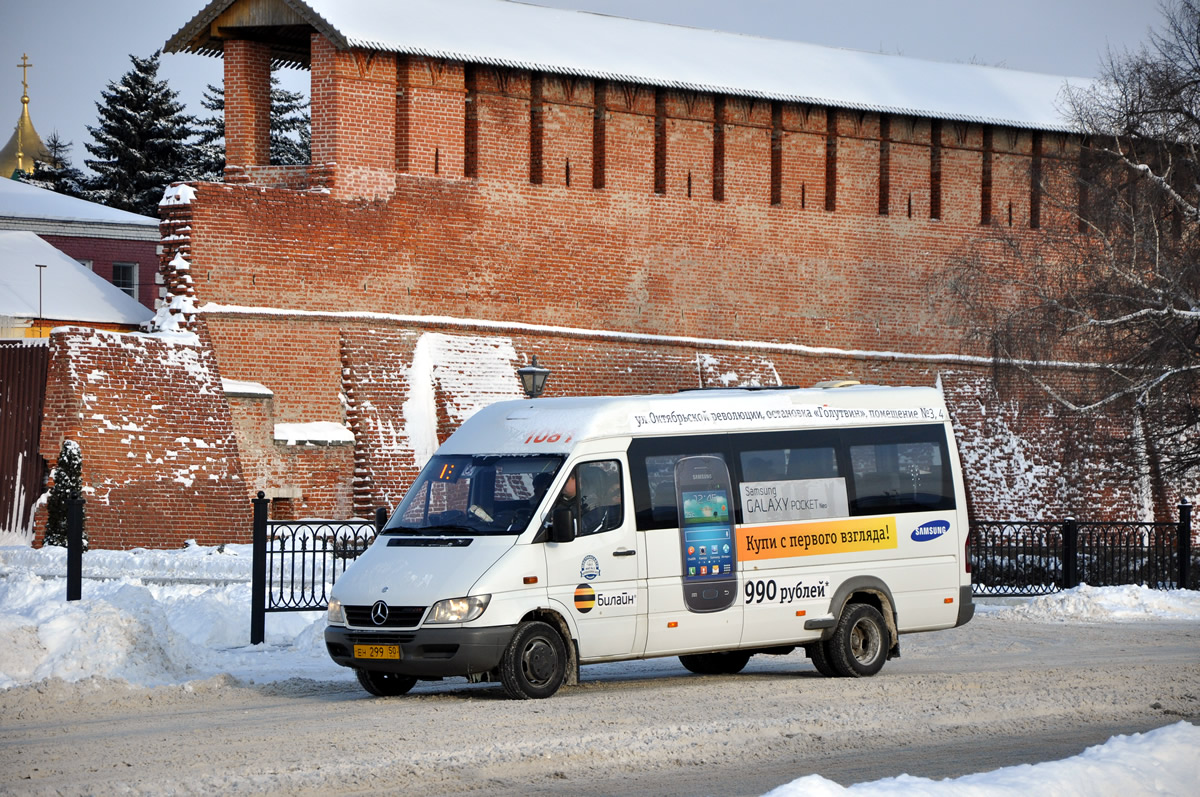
(864, 642)
(539, 661)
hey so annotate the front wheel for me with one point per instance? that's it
(534, 664)
(385, 684)
(860, 642)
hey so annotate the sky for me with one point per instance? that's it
(157, 617)
(76, 47)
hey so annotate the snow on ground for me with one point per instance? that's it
(154, 617)
(150, 617)
(1098, 604)
(1163, 761)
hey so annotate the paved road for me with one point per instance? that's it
(994, 693)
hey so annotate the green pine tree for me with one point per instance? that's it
(141, 141)
(56, 173)
(68, 484)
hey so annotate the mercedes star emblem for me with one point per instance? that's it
(379, 613)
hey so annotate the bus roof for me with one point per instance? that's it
(558, 424)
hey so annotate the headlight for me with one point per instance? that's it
(336, 615)
(458, 610)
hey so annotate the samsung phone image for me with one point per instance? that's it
(705, 504)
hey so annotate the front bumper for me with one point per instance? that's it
(424, 652)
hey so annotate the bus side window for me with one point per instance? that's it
(903, 474)
(789, 464)
(652, 475)
(812, 463)
(601, 496)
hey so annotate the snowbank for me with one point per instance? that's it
(1103, 604)
(1163, 761)
(148, 617)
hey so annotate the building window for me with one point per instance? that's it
(85, 263)
(125, 278)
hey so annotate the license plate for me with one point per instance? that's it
(376, 651)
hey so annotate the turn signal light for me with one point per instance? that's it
(530, 579)
(672, 624)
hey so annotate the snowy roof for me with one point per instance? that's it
(518, 35)
(69, 292)
(27, 207)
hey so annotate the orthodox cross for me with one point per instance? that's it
(24, 67)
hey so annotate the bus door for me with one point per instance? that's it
(595, 578)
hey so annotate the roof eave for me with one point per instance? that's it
(195, 36)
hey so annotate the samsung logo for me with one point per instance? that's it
(930, 531)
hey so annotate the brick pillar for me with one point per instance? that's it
(247, 103)
(353, 120)
(431, 106)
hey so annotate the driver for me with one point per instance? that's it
(566, 498)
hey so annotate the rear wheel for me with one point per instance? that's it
(715, 663)
(860, 642)
(385, 684)
(534, 664)
(818, 653)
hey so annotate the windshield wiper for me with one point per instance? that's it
(430, 530)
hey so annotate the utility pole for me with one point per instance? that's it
(41, 267)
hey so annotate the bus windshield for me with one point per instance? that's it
(475, 495)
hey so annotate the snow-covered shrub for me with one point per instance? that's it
(68, 484)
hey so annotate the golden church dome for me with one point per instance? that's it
(25, 144)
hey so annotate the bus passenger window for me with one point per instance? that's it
(900, 477)
(789, 464)
(660, 482)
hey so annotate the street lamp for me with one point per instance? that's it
(533, 378)
(40, 267)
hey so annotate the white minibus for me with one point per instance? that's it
(712, 525)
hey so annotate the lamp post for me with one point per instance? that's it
(40, 267)
(533, 378)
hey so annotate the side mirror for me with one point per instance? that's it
(562, 528)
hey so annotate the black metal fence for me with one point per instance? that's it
(296, 563)
(1038, 558)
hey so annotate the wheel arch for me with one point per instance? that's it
(862, 589)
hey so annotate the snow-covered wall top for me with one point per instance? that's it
(518, 35)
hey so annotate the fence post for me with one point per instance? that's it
(75, 547)
(258, 586)
(1070, 553)
(381, 515)
(1185, 543)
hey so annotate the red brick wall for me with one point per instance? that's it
(160, 462)
(103, 252)
(458, 229)
(429, 211)
(304, 479)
